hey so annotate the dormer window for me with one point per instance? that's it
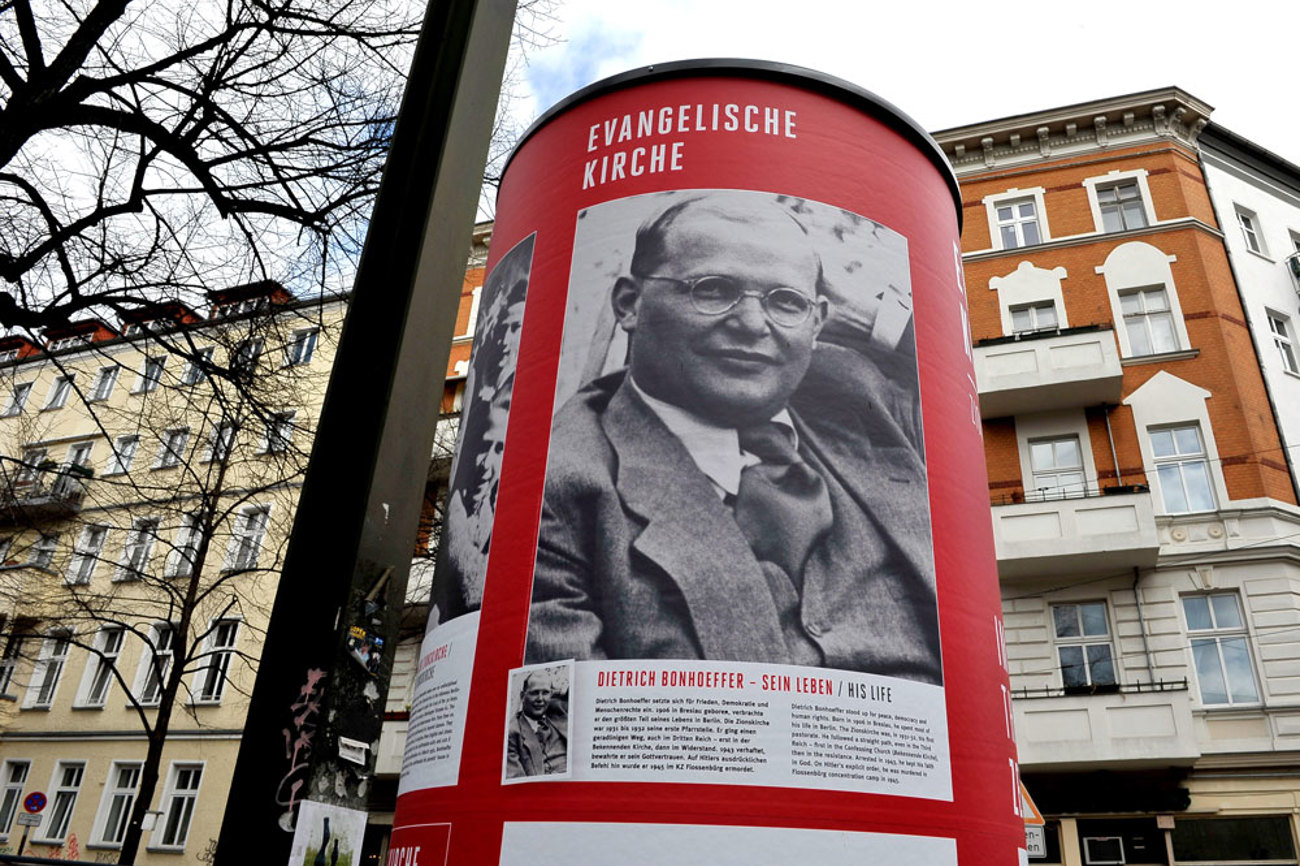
(69, 342)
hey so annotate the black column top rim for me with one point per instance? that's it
(810, 79)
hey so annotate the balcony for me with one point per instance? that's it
(1094, 531)
(1138, 726)
(44, 493)
(1047, 370)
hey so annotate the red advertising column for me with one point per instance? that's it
(717, 582)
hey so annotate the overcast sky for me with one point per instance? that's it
(949, 64)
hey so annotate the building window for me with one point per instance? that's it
(105, 379)
(1083, 646)
(1249, 224)
(243, 360)
(155, 662)
(47, 671)
(151, 376)
(221, 440)
(138, 550)
(1280, 328)
(1057, 466)
(178, 806)
(185, 552)
(279, 433)
(79, 454)
(59, 391)
(216, 663)
(1017, 223)
(18, 399)
(42, 552)
(197, 368)
(1040, 316)
(1121, 207)
(102, 666)
(301, 347)
(1148, 321)
(30, 465)
(123, 454)
(1220, 648)
(9, 661)
(246, 541)
(1182, 469)
(85, 554)
(14, 777)
(65, 784)
(119, 799)
(173, 448)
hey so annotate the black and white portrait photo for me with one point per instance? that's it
(736, 466)
(537, 731)
(476, 473)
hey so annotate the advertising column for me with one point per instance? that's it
(717, 580)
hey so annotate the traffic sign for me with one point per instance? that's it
(1035, 841)
(34, 802)
(1028, 811)
(28, 819)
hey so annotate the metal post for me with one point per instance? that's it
(350, 552)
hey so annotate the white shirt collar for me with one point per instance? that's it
(715, 450)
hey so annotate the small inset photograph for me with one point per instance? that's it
(537, 722)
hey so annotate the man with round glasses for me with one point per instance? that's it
(742, 490)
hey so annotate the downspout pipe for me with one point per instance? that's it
(1114, 457)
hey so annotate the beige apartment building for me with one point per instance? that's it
(149, 471)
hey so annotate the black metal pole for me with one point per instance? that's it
(354, 531)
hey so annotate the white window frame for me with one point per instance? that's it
(1115, 179)
(1014, 196)
(117, 802)
(279, 432)
(1236, 635)
(13, 653)
(151, 677)
(247, 537)
(1056, 470)
(244, 357)
(43, 550)
(471, 323)
(1027, 285)
(1035, 311)
(60, 388)
(301, 347)
(1090, 860)
(150, 374)
(194, 368)
(174, 797)
(31, 460)
(221, 441)
(180, 559)
(79, 454)
(1143, 320)
(1181, 461)
(1251, 235)
(138, 549)
(1279, 328)
(124, 450)
(1165, 401)
(18, 398)
(1084, 641)
(171, 451)
(11, 791)
(86, 555)
(1137, 265)
(101, 662)
(105, 381)
(209, 684)
(63, 788)
(47, 673)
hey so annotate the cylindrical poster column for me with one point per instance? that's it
(717, 580)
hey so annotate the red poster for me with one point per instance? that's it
(717, 581)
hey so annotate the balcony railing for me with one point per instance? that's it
(42, 493)
(1293, 265)
(1074, 491)
(1138, 688)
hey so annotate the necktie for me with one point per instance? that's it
(782, 506)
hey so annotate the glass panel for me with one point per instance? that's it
(1047, 312)
(1162, 443)
(1020, 320)
(1009, 240)
(1163, 338)
(1004, 213)
(1188, 440)
(1139, 340)
(1073, 672)
(1135, 217)
(1242, 839)
(1067, 453)
(1197, 610)
(1155, 300)
(1094, 618)
(1041, 456)
(1100, 665)
(1241, 675)
(1066, 620)
(1131, 304)
(1110, 220)
(1031, 232)
(1205, 654)
(1171, 489)
(1226, 611)
(1199, 494)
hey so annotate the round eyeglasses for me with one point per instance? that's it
(714, 295)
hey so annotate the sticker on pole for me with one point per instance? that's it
(34, 802)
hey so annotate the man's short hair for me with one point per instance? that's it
(542, 676)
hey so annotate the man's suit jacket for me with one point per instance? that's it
(639, 558)
(525, 755)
